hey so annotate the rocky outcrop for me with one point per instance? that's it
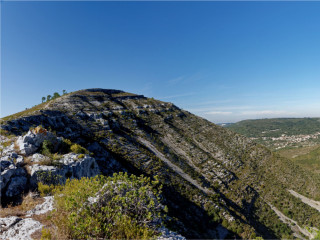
(166, 234)
(69, 166)
(18, 228)
(13, 179)
(32, 141)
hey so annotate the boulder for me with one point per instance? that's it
(16, 186)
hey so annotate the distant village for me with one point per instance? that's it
(290, 141)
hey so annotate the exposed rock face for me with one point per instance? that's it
(31, 142)
(69, 166)
(13, 179)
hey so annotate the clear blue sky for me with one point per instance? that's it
(225, 61)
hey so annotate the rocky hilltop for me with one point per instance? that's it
(216, 183)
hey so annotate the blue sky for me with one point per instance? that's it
(225, 61)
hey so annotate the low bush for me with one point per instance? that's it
(118, 207)
(47, 148)
(80, 156)
(76, 148)
(45, 189)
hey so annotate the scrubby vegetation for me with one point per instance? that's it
(54, 153)
(117, 207)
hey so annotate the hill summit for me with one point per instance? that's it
(216, 183)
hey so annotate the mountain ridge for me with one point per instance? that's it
(212, 176)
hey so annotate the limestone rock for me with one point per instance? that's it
(42, 208)
(166, 234)
(18, 228)
(7, 171)
(30, 143)
(69, 166)
(37, 158)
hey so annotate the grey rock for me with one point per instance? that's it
(6, 176)
(4, 164)
(30, 142)
(42, 208)
(166, 234)
(69, 166)
(16, 186)
(18, 228)
(37, 158)
(19, 161)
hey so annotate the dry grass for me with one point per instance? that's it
(29, 202)
(5, 133)
(25, 112)
(37, 235)
(11, 211)
(295, 152)
(45, 219)
(16, 148)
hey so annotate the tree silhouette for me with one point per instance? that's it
(48, 97)
(43, 99)
(55, 95)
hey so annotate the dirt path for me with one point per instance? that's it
(292, 224)
(172, 166)
(310, 202)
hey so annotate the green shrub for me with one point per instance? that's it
(45, 234)
(80, 156)
(47, 148)
(76, 148)
(45, 189)
(126, 209)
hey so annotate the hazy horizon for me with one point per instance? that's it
(224, 61)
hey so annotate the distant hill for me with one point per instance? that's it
(216, 183)
(280, 132)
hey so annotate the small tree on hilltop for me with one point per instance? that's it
(64, 92)
(43, 99)
(48, 97)
(55, 95)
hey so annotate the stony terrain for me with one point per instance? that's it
(217, 184)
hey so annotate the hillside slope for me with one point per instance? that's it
(213, 178)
